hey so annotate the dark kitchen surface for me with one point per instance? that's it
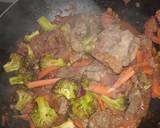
(3, 6)
(21, 19)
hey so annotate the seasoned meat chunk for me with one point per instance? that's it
(116, 47)
(105, 119)
(100, 120)
(63, 105)
(53, 42)
(85, 27)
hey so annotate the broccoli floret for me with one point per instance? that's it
(84, 106)
(67, 124)
(28, 38)
(67, 88)
(23, 99)
(43, 115)
(119, 103)
(48, 60)
(14, 64)
(46, 25)
(21, 78)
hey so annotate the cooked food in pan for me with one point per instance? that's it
(84, 71)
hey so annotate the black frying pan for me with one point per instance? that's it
(21, 18)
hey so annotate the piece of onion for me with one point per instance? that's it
(81, 91)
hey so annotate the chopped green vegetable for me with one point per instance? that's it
(46, 25)
(67, 124)
(119, 103)
(31, 36)
(30, 52)
(14, 64)
(67, 88)
(48, 61)
(84, 106)
(21, 78)
(23, 99)
(43, 115)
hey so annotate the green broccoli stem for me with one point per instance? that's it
(46, 24)
(14, 64)
(28, 38)
(16, 80)
(30, 52)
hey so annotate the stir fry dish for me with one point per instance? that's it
(85, 71)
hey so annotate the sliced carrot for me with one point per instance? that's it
(140, 65)
(101, 104)
(99, 89)
(82, 62)
(42, 83)
(139, 57)
(148, 70)
(44, 72)
(155, 87)
(78, 123)
(124, 76)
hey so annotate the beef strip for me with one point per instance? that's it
(116, 47)
(94, 72)
(53, 42)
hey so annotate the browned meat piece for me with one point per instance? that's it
(100, 119)
(94, 72)
(63, 105)
(139, 99)
(116, 48)
(108, 60)
(53, 42)
(105, 119)
(97, 72)
(78, 32)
